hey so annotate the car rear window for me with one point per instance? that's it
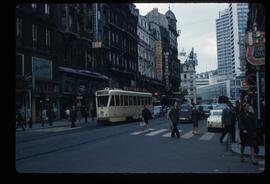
(217, 113)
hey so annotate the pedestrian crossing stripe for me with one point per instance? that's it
(152, 132)
(262, 162)
(142, 131)
(261, 169)
(207, 136)
(169, 134)
(187, 135)
(156, 132)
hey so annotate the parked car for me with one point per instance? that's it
(214, 121)
(221, 106)
(206, 110)
(185, 113)
(157, 111)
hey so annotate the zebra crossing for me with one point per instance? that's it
(262, 165)
(163, 132)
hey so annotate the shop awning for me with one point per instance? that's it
(86, 73)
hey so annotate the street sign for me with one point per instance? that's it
(255, 47)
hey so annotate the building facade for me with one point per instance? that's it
(37, 84)
(168, 47)
(188, 77)
(230, 27)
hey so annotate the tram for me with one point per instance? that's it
(115, 105)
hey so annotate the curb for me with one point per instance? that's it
(235, 147)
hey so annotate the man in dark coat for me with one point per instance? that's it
(195, 117)
(174, 117)
(146, 114)
(73, 117)
(247, 127)
(19, 119)
(226, 121)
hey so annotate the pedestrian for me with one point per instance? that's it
(233, 123)
(29, 118)
(195, 117)
(67, 112)
(44, 117)
(19, 120)
(169, 120)
(50, 116)
(93, 113)
(146, 116)
(247, 128)
(174, 117)
(73, 117)
(226, 121)
(85, 113)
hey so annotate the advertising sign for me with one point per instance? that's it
(255, 47)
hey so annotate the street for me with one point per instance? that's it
(124, 148)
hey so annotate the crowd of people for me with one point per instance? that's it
(242, 113)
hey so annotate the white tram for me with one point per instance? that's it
(115, 105)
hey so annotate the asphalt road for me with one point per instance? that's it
(124, 148)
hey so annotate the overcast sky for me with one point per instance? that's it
(197, 22)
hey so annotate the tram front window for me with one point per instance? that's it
(103, 101)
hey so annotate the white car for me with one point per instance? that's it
(214, 121)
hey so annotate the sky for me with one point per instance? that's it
(197, 22)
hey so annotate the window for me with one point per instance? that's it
(112, 36)
(110, 57)
(112, 101)
(34, 32)
(34, 6)
(19, 27)
(117, 99)
(42, 68)
(102, 101)
(135, 100)
(130, 100)
(109, 37)
(126, 100)
(185, 76)
(68, 86)
(48, 37)
(121, 100)
(47, 9)
(19, 64)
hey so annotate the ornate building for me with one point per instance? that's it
(188, 77)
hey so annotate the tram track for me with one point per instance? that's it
(124, 130)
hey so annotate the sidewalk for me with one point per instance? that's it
(235, 147)
(58, 123)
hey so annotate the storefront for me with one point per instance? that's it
(78, 88)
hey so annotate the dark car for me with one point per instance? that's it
(185, 114)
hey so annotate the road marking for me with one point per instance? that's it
(261, 169)
(225, 138)
(262, 162)
(156, 132)
(207, 136)
(187, 135)
(142, 131)
(169, 134)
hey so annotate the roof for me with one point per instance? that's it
(84, 73)
(170, 14)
